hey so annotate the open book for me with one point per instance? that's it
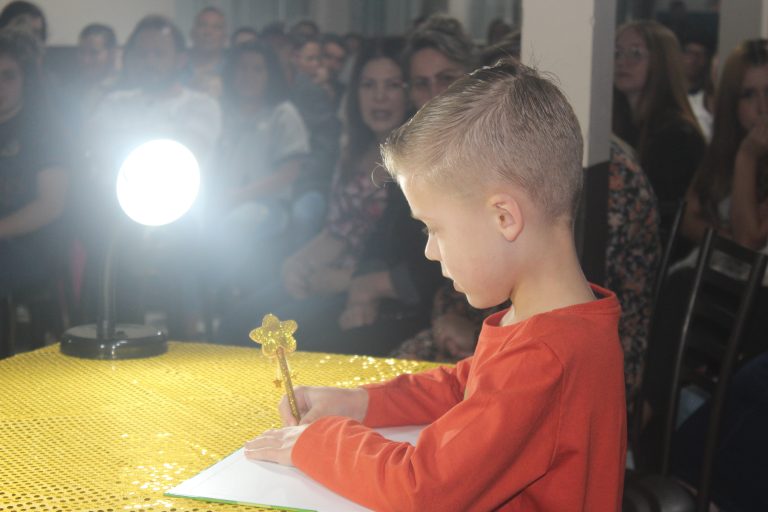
(240, 481)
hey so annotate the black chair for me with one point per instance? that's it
(636, 419)
(706, 355)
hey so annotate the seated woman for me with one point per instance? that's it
(395, 281)
(651, 109)
(33, 179)
(315, 279)
(262, 152)
(729, 194)
(633, 252)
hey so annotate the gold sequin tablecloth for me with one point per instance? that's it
(86, 435)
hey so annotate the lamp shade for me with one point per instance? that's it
(158, 182)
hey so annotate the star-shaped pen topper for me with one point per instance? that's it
(274, 334)
(276, 340)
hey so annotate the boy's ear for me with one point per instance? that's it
(508, 215)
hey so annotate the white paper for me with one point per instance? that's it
(239, 480)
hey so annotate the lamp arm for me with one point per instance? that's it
(105, 321)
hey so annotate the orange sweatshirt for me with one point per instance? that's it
(534, 421)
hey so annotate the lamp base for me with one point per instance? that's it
(130, 341)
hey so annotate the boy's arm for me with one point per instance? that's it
(416, 399)
(477, 456)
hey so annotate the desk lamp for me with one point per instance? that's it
(156, 185)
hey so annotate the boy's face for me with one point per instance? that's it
(464, 236)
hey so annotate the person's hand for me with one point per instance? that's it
(295, 273)
(363, 298)
(358, 314)
(316, 402)
(454, 335)
(755, 144)
(274, 445)
(328, 280)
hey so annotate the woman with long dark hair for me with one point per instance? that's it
(315, 279)
(730, 195)
(732, 182)
(651, 109)
(261, 154)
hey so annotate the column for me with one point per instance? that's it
(574, 41)
(740, 20)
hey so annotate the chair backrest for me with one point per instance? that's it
(669, 248)
(717, 314)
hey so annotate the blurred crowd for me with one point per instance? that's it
(296, 216)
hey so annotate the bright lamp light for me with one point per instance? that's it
(156, 185)
(158, 182)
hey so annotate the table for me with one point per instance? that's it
(87, 435)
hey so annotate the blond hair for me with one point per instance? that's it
(500, 123)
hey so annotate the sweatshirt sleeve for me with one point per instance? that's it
(416, 399)
(477, 456)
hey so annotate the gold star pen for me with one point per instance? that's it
(276, 340)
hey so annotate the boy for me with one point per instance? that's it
(535, 420)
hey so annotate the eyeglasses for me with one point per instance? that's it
(633, 54)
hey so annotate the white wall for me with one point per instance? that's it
(66, 18)
(582, 61)
(745, 19)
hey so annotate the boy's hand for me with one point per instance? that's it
(316, 402)
(274, 445)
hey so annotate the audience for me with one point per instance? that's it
(311, 94)
(316, 279)
(33, 169)
(263, 147)
(97, 71)
(305, 29)
(274, 35)
(729, 194)
(25, 16)
(438, 53)
(352, 44)
(698, 53)
(206, 57)
(243, 35)
(334, 55)
(498, 29)
(651, 109)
